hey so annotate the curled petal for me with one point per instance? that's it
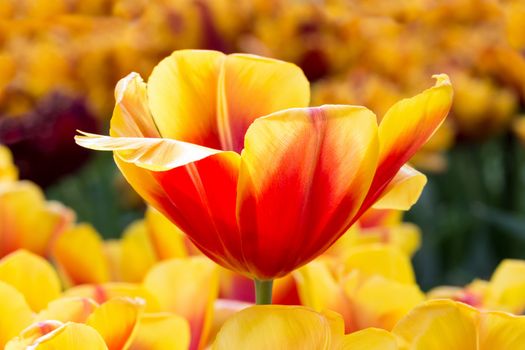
(406, 126)
(403, 191)
(149, 153)
(304, 173)
(131, 116)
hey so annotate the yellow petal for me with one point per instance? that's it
(437, 325)
(182, 91)
(137, 254)
(167, 239)
(8, 171)
(370, 339)
(174, 282)
(116, 321)
(404, 129)
(79, 253)
(42, 221)
(101, 293)
(319, 290)
(73, 309)
(131, 116)
(162, 331)
(375, 305)
(501, 331)
(506, 289)
(30, 335)
(32, 276)
(223, 309)
(250, 87)
(15, 313)
(276, 327)
(381, 260)
(403, 191)
(71, 336)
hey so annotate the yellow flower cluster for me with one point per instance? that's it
(69, 289)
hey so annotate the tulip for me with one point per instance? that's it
(505, 291)
(226, 148)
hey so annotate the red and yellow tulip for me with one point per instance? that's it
(226, 148)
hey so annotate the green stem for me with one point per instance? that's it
(263, 292)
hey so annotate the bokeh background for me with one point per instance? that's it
(60, 61)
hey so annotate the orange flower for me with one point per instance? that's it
(226, 148)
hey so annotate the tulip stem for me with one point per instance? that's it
(263, 291)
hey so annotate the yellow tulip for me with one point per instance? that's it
(8, 171)
(42, 221)
(445, 324)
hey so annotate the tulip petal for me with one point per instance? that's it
(199, 198)
(375, 306)
(275, 327)
(101, 293)
(131, 116)
(154, 154)
(403, 191)
(501, 331)
(507, 286)
(137, 254)
(73, 309)
(32, 276)
(30, 335)
(174, 282)
(304, 174)
(79, 253)
(167, 239)
(252, 86)
(8, 171)
(15, 313)
(381, 260)
(437, 325)
(182, 91)
(162, 331)
(71, 336)
(42, 221)
(202, 203)
(408, 125)
(319, 290)
(116, 321)
(370, 339)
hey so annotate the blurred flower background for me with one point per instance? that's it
(61, 59)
